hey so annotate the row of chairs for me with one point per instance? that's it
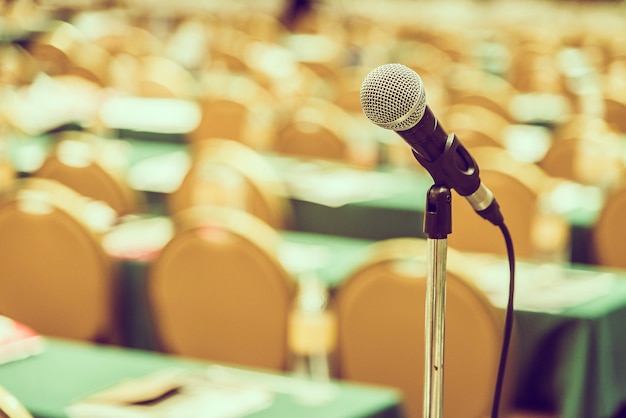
(218, 290)
(477, 105)
(227, 172)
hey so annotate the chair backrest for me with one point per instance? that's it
(54, 273)
(234, 106)
(311, 140)
(615, 113)
(462, 116)
(587, 150)
(560, 159)
(222, 118)
(224, 171)
(8, 174)
(517, 186)
(609, 231)
(518, 204)
(218, 291)
(316, 128)
(76, 161)
(381, 322)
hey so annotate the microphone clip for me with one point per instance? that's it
(454, 168)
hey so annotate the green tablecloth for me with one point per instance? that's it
(574, 361)
(47, 383)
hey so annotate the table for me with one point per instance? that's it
(570, 339)
(577, 356)
(47, 383)
(569, 321)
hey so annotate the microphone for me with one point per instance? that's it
(393, 97)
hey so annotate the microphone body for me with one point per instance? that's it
(393, 98)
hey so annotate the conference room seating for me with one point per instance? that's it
(52, 49)
(609, 231)
(615, 113)
(453, 66)
(218, 291)
(94, 167)
(586, 149)
(523, 192)
(223, 118)
(311, 140)
(234, 105)
(561, 159)
(20, 68)
(519, 207)
(226, 172)
(162, 77)
(54, 273)
(498, 103)
(466, 119)
(382, 301)
(8, 175)
(316, 128)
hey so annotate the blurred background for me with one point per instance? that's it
(143, 120)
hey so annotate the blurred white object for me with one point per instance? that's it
(150, 114)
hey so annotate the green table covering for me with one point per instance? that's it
(49, 382)
(574, 361)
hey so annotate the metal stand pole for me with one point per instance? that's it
(437, 226)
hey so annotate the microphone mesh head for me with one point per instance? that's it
(393, 97)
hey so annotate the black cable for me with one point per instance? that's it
(508, 324)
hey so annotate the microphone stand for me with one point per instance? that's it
(437, 226)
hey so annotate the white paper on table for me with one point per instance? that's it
(338, 186)
(300, 257)
(137, 237)
(172, 394)
(160, 174)
(542, 288)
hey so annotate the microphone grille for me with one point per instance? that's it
(393, 97)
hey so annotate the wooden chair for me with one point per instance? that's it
(474, 118)
(311, 140)
(222, 118)
(518, 187)
(518, 204)
(163, 77)
(318, 129)
(78, 161)
(592, 161)
(560, 159)
(234, 106)
(381, 321)
(609, 231)
(52, 49)
(497, 105)
(54, 273)
(226, 172)
(615, 113)
(218, 291)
